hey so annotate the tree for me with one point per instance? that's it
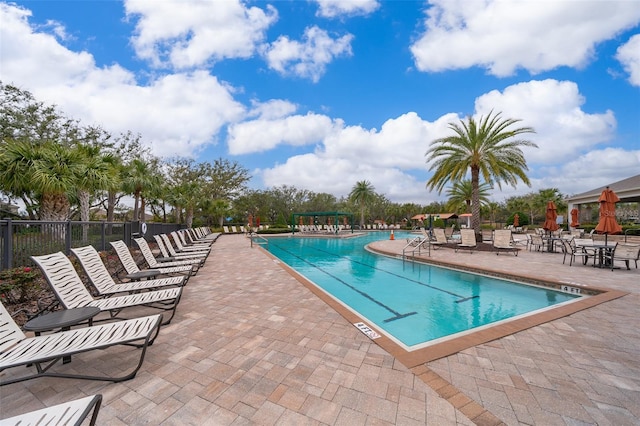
(362, 193)
(47, 172)
(140, 177)
(461, 193)
(485, 149)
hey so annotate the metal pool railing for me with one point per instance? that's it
(416, 245)
(258, 240)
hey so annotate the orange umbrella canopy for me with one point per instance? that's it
(551, 216)
(516, 220)
(250, 221)
(574, 218)
(607, 223)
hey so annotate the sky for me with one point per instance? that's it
(321, 94)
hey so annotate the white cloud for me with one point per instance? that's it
(309, 58)
(272, 109)
(503, 36)
(629, 56)
(337, 176)
(554, 109)
(179, 114)
(191, 34)
(264, 134)
(334, 8)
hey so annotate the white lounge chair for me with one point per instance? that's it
(71, 292)
(103, 282)
(467, 240)
(134, 273)
(182, 248)
(155, 263)
(43, 352)
(68, 413)
(167, 250)
(503, 241)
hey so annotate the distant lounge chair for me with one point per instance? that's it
(503, 241)
(168, 251)
(134, 273)
(68, 413)
(155, 263)
(467, 240)
(438, 234)
(18, 350)
(182, 248)
(71, 292)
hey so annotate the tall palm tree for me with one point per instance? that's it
(484, 148)
(460, 195)
(362, 193)
(140, 178)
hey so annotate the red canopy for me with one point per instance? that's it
(516, 220)
(574, 218)
(551, 216)
(607, 223)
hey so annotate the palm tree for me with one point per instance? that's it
(362, 193)
(140, 178)
(460, 195)
(47, 172)
(485, 149)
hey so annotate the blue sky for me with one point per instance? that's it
(321, 94)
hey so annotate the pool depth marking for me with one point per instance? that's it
(397, 315)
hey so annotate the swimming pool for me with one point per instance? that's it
(413, 303)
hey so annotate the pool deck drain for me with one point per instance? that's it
(250, 345)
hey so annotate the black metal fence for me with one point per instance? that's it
(20, 239)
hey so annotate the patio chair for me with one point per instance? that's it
(467, 240)
(68, 413)
(191, 237)
(536, 242)
(71, 292)
(570, 249)
(43, 352)
(102, 281)
(165, 262)
(134, 273)
(503, 241)
(623, 252)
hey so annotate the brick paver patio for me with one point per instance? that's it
(251, 345)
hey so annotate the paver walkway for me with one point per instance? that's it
(251, 345)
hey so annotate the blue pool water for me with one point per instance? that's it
(415, 303)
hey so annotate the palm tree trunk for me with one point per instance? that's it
(475, 201)
(83, 197)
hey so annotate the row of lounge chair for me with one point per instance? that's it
(502, 240)
(42, 352)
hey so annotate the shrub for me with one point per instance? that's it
(19, 285)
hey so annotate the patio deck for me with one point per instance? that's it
(251, 345)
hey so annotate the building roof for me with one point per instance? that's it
(628, 190)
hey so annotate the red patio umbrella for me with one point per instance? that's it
(607, 223)
(258, 221)
(574, 218)
(550, 218)
(250, 221)
(516, 220)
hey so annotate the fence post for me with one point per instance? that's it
(104, 236)
(7, 262)
(67, 238)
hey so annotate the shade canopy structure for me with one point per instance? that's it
(550, 223)
(607, 223)
(574, 218)
(516, 220)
